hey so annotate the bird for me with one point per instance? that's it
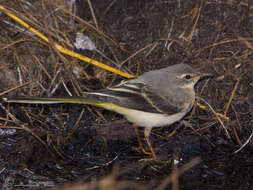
(154, 99)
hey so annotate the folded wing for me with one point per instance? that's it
(135, 96)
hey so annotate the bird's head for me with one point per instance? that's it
(185, 76)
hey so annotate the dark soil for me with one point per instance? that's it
(76, 146)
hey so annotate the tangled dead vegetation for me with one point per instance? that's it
(55, 145)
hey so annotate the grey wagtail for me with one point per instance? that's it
(156, 98)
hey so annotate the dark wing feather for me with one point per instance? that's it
(135, 96)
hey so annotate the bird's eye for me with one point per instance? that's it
(187, 77)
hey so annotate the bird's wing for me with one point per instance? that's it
(135, 96)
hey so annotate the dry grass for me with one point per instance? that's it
(132, 37)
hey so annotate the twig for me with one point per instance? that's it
(250, 137)
(181, 170)
(64, 50)
(232, 96)
(93, 14)
(222, 124)
(22, 126)
(133, 55)
(14, 88)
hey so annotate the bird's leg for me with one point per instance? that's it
(140, 146)
(146, 134)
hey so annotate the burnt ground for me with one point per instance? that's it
(76, 146)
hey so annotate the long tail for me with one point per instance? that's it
(51, 100)
(71, 100)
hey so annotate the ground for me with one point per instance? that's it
(75, 146)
